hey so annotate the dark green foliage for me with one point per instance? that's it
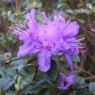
(52, 76)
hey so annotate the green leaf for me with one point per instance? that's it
(52, 76)
(80, 79)
(6, 71)
(6, 83)
(62, 64)
(81, 86)
(1, 58)
(92, 86)
(11, 17)
(2, 71)
(80, 83)
(9, 84)
(75, 58)
(10, 93)
(19, 83)
(35, 88)
(18, 64)
(83, 92)
(52, 73)
(27, 75)
(21, 66)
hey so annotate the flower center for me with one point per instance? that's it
(65, 83)
(48, 46)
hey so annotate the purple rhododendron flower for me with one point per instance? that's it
(66, 81)
(66, 32)
(48, 39)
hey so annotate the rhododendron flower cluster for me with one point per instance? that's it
(49, 39)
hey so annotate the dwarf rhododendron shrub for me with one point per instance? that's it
(49, 39)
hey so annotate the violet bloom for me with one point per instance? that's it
(30, 31)
(66, 42)
(48, 39)
(40, 39)
(69, 45)
(66, 80)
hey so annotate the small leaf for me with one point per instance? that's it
(1, 59)
(19, 83)
(9, 84)
(52, 76)
(52, 73)
(18, 64)
(80, 79)
(34, 88)
(21, 66)
(10, 93)
(80, 83)
(75, 58)
(6, 83)
(28, 76)
(92, 86)
(6, 71)
(62, 64)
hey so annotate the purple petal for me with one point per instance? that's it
(46, 18)
(44, 60)
(71, 29)
(24, 49)
(71, 78)
(61, 22)
(62, 80)
(63, 76)
(66, 81)
(32, 23)
(23, 35)
(30, 14)
(68, 58)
